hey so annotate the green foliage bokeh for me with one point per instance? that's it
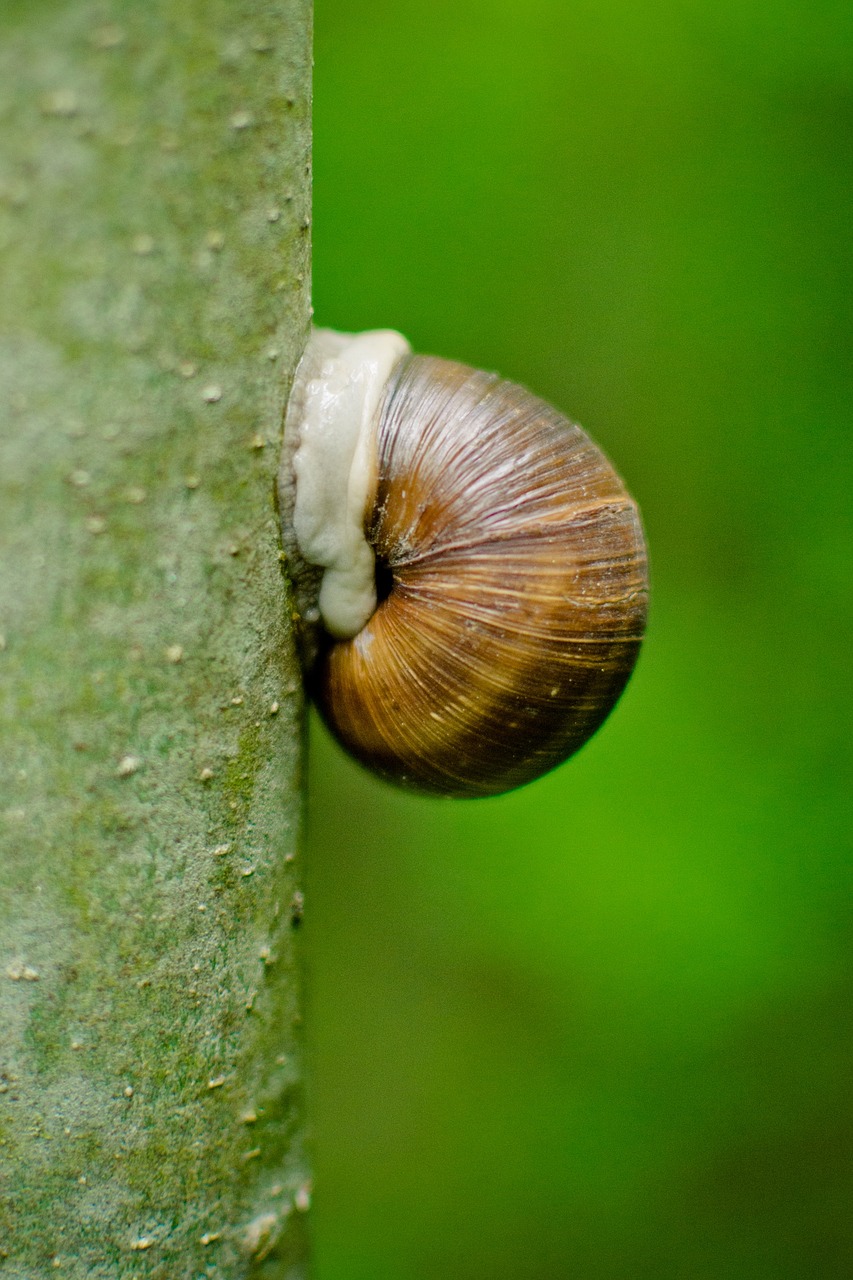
(601, 1028)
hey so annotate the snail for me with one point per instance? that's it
(469, 570)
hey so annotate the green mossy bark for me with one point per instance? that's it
(154, 282)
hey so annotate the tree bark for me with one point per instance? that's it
(154, 300)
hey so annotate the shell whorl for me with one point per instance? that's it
(515, 578)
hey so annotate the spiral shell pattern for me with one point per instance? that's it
(513, 576)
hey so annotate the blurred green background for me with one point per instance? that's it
(602, 1027)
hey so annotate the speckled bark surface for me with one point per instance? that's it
(154, 281)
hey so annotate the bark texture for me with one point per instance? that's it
(154, 299)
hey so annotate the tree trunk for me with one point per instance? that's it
(154, 299)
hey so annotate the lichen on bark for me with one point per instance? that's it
(154, 299)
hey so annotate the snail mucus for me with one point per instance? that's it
(469, 570)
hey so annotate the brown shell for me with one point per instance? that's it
(517, 597)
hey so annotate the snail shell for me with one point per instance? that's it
(469, 568)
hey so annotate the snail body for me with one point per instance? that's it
(478, 567)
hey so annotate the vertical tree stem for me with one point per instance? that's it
(154, 300)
